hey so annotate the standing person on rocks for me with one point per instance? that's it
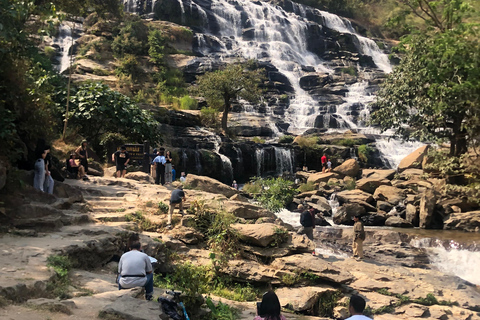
(152, 156)
(48, 184)
(39, 170)
(121, 159)
(177, 197)
(135, 270)
(182, 177)
(269, 308)
(82, 154)
(329, 165)
(358, 238)
(159, 166)
(168, 167)
(324, 162)
(307, 221)
(356, 307)
(174, 173)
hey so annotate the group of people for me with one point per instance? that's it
(162, 167)
(326, 163)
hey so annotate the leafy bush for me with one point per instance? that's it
(58, 286)
(209, 117)
(275, 193)
(258, 140)
(157, 43)
(50, 52)
(307, 142)
(129, 66)
(252, 188)
(345, 142)
(304, 187)
(350, 70)
(286, 139)
(220, 312)
(188, 103)
(163, 207)
(132, 39)
(364, 152)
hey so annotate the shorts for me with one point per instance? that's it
(175, 202)
(324, 165)
(120, 167)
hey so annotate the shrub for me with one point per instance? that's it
(286, 139)
(157, 43)
(252, 188)
(132, 39)
(275, 193)
(209, 117)
(364, 152)
(101, 72)
(129, 66)
(142, 222)
(307, 142)
(188, 103)
(59, 285)
(163, 207)
(220, 312)
(304, 187)
(345, 142)
(50, 52)
(258, 140)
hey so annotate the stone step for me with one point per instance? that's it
(110, 217)
(94, 198)
(106, 203)
(119, 209)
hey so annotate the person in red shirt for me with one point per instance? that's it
(324, 162)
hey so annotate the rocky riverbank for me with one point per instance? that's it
(89, 222)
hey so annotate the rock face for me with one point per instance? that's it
(398, 222)
(140, 177)
(353, 196)
(378, 174)
(302, 299)
(348, 168)
(414, 159)
(427, 207)
(345, 213)
(210, 185)
(246, 210)
(390, 194)
(319, 177)
(127, 307)
(371, 184)
(468, 221)
(258, 234)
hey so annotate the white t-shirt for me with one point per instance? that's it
(134, 263)
(358, 317)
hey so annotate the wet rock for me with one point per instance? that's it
(414, 159)
(312, 81)
(210, 185)
(467, 221)
(375, 219)
(345, 213)
(127, 307)
(427, 207)
(140, 177)
(396, 221)
(390, 194)
(320, 221)
(348, 168)
(302, 299)
(258, 234)
(384, 206)
(371, 184)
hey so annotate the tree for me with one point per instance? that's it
(97, 110)
(434, 94)
(220, 88)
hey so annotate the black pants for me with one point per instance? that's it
(84, 163)
(160, 177)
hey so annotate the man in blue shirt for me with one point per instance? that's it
(174, 173)
(159, 166)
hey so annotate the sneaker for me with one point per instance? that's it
(149, 297)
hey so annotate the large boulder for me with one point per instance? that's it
(395, 221)
(414, 159)
(209, 185)
(302, 299)
(322, 177)
(345, 213)
(427, 208)
(246, 210)
(378, 174)
(390, 194)
(127, 307)
(465, 221)
(141, 177)
(353, 196)
(371, 184)
(261, 235)
(411, 214)
(349, 167)
(250, 271)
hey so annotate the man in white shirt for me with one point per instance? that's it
(159, 167)
(356, 307)
(135, 270)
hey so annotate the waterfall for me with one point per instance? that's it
(334, 204)
(392, 151)
(290, 217)
(283, 160)
(259, 157)
(356, 102)
(227, 168)
(198, 163)
(65, 41)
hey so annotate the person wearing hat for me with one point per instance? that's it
(307, 221)
(358, 238)
(177, 197)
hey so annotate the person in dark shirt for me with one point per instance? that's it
(307, 221)
(121, 159)
(82, 154)
(177, 197)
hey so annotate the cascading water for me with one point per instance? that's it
(64, 41)
(259, 157)
(283, 159)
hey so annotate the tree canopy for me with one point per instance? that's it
(434, 94)
(220, 88)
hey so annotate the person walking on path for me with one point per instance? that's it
(307, 221)
(82, 154)
(168, 167)
(324, 162)
(121, 159)
(356, 306)
(159, 166)
(39, 171)
(49, 183)
(358, 238)
(177, 197)
(135, 270)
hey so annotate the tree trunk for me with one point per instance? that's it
(458, 140)
(225, 116)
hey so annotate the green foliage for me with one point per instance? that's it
(290, 279)
(129, 66)
(279, 237)
(304, 187)
(142, 222)
(364, 152)
(430, 300)
(350, 184)
(258, 140)
(50, 52)
(157, 43)
(347, 142)
(62, 266)
(188, 103)
(163, 207)
(226, 288)
(111, 141)
(286, 139)
(307, 142)
(326, 303)
(96, 110)
(275, 193)
(132, 38)
(252, 188)
(350, 70)
(221, 311)
(434, 93)
(209, 117)
(222, 87)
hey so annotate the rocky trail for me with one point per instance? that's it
(87, 221)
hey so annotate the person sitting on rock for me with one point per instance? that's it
(177, 197)
(77, 169)
(358, 238)
(135, 270)
(356, 307)
(269, 308)
(307, 221)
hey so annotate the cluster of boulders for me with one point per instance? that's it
(402, 198)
